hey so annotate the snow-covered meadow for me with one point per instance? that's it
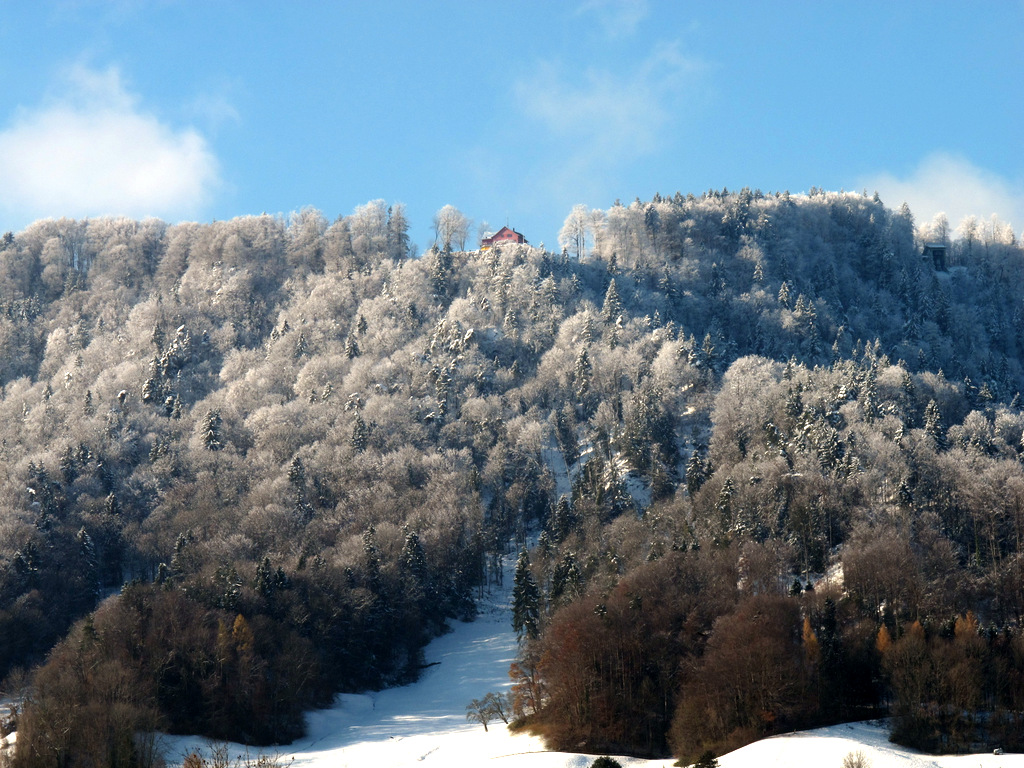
(425, 723)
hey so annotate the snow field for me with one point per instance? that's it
(424, 724)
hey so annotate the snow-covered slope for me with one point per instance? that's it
(826, 748)
(424, 724)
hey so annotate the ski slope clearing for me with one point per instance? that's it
(425, 724)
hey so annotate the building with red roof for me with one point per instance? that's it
(501, 237)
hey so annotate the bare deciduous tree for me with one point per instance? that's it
(451, 228)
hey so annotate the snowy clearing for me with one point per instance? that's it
(828, 746)
(425, 723)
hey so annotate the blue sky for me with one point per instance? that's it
(515, 110)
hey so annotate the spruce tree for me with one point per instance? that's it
(351, 347)
(441, 271)
(264, 583)
(297, 474)
(562, 521)
(581, 374)
(724, 510)
(211, 431)
(696, 473)
(92, 568)
(933, 425)
(414, 567)
(869, 397)
(525, 600)
(612, 306)
(372, 558)
(566, 580)
(360, 434)
(784, 294)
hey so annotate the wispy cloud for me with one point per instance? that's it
(598, 118)
(950, 184)
(213, 110)
(618, 18)
(94, 151)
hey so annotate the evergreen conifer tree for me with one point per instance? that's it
(612, 307)
(696, 473)
(581, 374)
(211, 431)
(784, 294)
(360, 434)
(525, 600)
(561, 523)
(414, 566)
(91, 562)
(933, 425)
(566, 580)
(351, 347)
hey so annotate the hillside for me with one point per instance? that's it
(252, 463)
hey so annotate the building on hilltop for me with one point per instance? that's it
(501, 237)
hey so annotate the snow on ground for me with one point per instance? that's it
(638, 490)
(425, 723)
(826, 748)
(555, 461)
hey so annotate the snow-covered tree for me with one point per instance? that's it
(578, 225)
(451, 228)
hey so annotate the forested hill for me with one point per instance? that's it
(293, 452)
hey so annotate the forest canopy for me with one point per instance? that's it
(737, 419)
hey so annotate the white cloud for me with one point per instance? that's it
(950, 184)
(214, 110)
(601, 119)
(620, 111)
(93, 151)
